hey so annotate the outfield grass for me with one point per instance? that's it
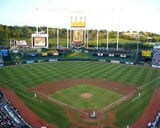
(100, 97)
(23, 77)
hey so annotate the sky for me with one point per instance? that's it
(121, 15)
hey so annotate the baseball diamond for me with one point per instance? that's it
(79, 64)
(49, 80)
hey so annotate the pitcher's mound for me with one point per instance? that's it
(86, 95)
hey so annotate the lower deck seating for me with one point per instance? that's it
(156, 58)
(9, 116)
(155, 123)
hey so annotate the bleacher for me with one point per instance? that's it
(156, 58)
(9, 116)
(155, 123)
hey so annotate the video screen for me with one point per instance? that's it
(39, 41)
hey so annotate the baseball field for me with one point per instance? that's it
(63, 86)
(86, 96)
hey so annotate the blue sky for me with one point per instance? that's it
(122, 15)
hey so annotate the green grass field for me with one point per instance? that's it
(23, 77)
(99, 97)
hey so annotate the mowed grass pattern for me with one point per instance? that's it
(23, 77)
(100, 97)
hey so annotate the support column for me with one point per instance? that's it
(57, 37)
(47, 38)
(107, 39)
(71, 37)
(117, 39)
(67, 37)
(97, 38)
(87, 39)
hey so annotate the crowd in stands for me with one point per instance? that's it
(156, 122)
(156, 58)
(9, 116)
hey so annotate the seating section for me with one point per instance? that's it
(156, 122)
(156, 58)
(9, 116)
(1, 61)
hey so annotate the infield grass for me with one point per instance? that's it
(99, 97)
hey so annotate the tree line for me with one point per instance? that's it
(24, 32)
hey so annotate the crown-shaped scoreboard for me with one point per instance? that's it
(78, 22)
(78, 31)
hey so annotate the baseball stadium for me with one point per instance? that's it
(79, 84)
